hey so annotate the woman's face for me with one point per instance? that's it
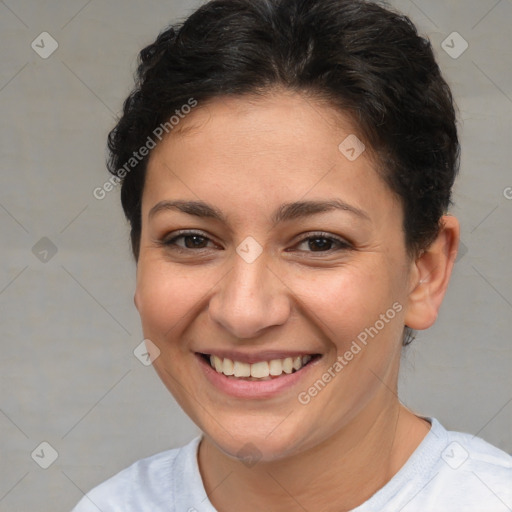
(270, 274)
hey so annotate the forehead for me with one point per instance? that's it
(275, 148)
(274, 120)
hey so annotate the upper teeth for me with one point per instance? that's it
(260, 369)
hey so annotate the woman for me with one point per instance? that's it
(287, 168)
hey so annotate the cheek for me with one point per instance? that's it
(167, 296)
(344, 301)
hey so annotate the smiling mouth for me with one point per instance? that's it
(260, 371)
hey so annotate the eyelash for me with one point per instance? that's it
(171, 242)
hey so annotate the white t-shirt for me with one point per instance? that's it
(448, 472)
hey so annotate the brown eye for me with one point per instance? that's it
(322, 242)
(191, 240)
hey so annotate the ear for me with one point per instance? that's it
(430, 275)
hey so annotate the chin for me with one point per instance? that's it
(250, 445)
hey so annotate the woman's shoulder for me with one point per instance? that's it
(147, 484)
(449, 470)
(470, 452)
(468, 473)
(474, 472)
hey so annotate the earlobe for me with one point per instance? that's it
(431, 274)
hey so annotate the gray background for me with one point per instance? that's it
(68, 374)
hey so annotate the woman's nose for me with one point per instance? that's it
(250, 298)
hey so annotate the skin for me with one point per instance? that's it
(246, 156)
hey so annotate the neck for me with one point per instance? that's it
(338, 474)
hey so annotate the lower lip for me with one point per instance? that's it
(240, 388)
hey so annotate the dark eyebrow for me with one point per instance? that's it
(286, 212)
(299, 209)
